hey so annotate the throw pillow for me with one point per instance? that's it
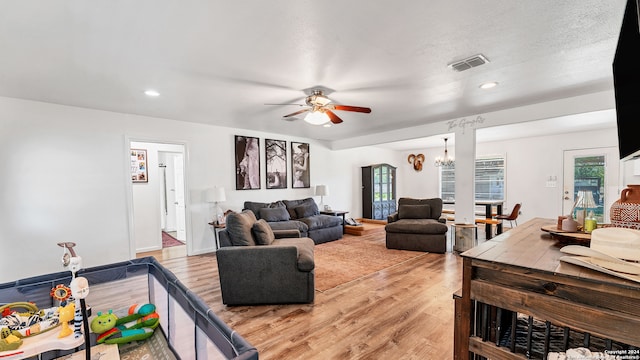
(264, 234)
(414, 212)
(239, 227)
(274, 214)
(305, 211)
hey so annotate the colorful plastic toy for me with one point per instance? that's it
(135, 323)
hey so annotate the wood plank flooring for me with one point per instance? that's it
(402, 312)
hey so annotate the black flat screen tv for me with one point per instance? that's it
(626, 80)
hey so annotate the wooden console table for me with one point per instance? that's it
(518, 275)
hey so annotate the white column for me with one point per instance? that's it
(465, 155)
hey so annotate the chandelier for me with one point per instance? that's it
(446, 161)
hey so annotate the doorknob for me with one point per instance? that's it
(566, 198)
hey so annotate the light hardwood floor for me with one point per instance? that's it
(402, 312)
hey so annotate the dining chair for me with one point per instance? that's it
(513, 216)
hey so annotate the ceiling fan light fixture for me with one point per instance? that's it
(316, 118)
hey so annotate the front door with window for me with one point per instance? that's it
(592, 171)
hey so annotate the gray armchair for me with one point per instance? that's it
(417, 225)
(258, 265)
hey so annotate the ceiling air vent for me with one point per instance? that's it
(468, 63)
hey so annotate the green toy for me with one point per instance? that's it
(136, 323)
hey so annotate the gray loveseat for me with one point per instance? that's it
(255, 267)
(302, 215)
(417, 225)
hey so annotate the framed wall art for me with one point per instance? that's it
(139, 166)
(247, 162)
(300, 165)
(275, 152)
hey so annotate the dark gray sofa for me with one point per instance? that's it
(417, 225)
(256, 268)
(302, 215)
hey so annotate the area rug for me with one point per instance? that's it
(353, 257)
(169, 241)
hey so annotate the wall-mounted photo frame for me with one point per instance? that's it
(247, 162)
(300, 177)
(275, 154)
(139, 165)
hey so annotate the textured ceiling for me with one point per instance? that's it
(220, 62)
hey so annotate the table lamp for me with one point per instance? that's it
(322, 191)
(585, 201)
(215, 196)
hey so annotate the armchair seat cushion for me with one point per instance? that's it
(305, 251)
(416, 226)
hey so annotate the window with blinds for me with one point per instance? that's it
(489, 179)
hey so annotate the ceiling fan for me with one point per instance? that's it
(320, 108)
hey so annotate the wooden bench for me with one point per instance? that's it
(487, 221)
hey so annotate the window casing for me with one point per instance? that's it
(489, 179)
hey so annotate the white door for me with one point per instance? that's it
(178, 166)
(594, 170)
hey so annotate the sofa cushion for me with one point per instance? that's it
(274, 214)
(414, 212)
(292, 204)
(263, 233)
(289, 225)
(321, 221)
(256, 206)
(434, 203)
(304, 211)
(416, 226)
(239, 227)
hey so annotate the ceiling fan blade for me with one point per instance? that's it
(333, 117)
(297, 113)
(288, 104)
(351, 108)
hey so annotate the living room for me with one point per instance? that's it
(74, 164)
(66, 163)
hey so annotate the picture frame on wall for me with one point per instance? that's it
(139, 173)
(300, 174)
(247, 162)
(275, 152)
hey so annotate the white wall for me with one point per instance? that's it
(65, 177)
(529, 162)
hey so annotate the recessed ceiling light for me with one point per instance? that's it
(151, 93)
(489, 85)
(327, 125)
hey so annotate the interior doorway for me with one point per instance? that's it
(172, 211)
(593, 172)
(159, 204)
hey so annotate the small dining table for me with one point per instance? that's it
(488, 206)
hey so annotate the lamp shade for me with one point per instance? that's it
(585, 199)
(216, 195)
(322, 190)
